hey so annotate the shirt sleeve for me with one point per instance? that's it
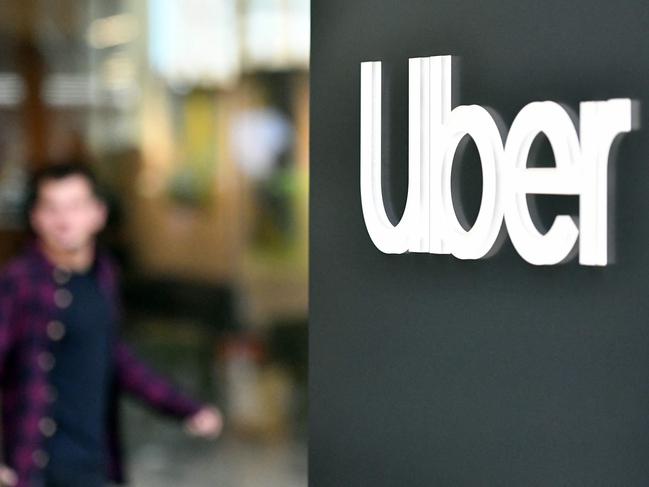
(138, 379)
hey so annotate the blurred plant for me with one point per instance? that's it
(192, 181)
(188, 187)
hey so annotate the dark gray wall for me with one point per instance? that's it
(430, 371)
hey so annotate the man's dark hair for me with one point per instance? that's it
(56, 172)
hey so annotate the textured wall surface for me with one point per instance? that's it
(431, 371)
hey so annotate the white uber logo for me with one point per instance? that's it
(430, 224)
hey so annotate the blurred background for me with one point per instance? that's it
(195, 115)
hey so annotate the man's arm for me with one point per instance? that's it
(141, 381)
(138, 379)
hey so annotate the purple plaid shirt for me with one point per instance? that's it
(32, 295)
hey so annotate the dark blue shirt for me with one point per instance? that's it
(81, 375)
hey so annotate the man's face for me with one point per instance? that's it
(67, 215)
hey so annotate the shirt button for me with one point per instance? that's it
(41, 458)
(61, 276)
(47, 426)
(55, 330)
(46, 361)
(62, 298)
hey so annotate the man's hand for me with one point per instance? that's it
(206, 423)
(7, 476)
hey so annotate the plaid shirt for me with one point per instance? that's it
(32, 295)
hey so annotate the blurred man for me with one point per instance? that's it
(62, 362)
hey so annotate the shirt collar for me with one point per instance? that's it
(58, 274)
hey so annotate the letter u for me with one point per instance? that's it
(429, 87)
